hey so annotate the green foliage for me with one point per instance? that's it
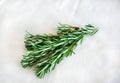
(44, 52)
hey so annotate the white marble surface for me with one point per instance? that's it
(97, 60)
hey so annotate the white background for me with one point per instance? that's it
(97, 60)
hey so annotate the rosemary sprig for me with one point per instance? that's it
(46, 51)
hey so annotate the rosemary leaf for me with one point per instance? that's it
(44, 52)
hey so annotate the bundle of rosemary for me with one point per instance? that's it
(44, 52)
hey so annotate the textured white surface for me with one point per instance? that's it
(97, 60)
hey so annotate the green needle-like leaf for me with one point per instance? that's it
(44, 52)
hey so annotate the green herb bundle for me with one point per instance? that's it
(44, 52)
